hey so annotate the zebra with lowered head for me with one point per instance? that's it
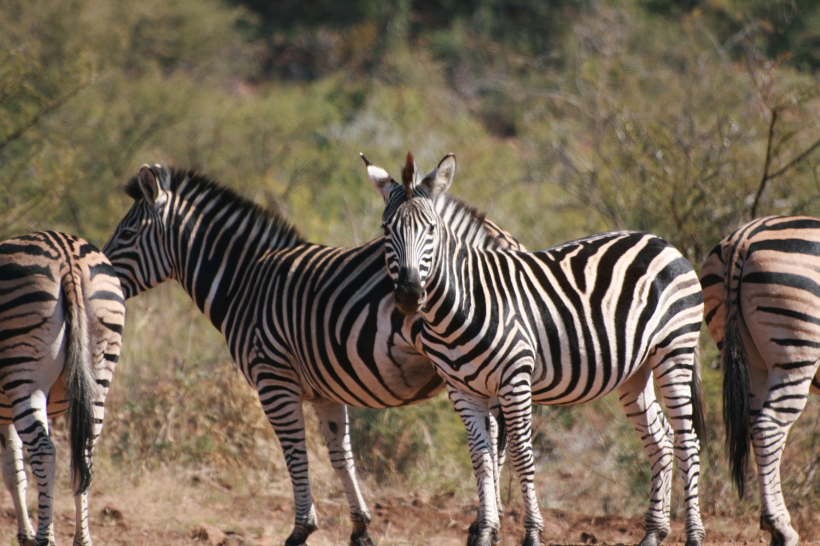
(761, 288)
(561, 326)
(303, 322)
(61, 319)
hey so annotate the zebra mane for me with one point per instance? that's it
(190, 185)
(470, 225)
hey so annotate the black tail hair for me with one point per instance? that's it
(698, 406)
(736, 393)
(80, 385)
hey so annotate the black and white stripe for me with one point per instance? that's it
(302, 321)
(558, 327)
(61, 319)
(761, 287)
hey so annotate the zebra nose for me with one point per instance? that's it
(409, 295)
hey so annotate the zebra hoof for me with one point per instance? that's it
(359, 536)
(788, 538)
(25, 540)
(474, 537)
(361, 540)
(693, 542)
(654, 538)
(298, 537)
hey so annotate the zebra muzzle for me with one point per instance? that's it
(409, 295)
(409, 307)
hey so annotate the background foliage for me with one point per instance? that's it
(567, 117)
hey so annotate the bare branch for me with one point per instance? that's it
(46, 109)
(766, 164)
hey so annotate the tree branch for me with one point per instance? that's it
(48, 108)
(766, 164)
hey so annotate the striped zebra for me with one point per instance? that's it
(561, 326)
(302, 321)
(61, 319)
(761, 289)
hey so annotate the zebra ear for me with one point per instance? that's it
(439, 179)
(150, 185)
(379, 177)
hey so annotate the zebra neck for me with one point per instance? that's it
(216, 255)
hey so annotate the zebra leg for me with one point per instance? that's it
(498, 435)
(516, 404)
(476, 418)
(14, 476)
(31, 422)
(637, 397)
(82, 535)
(674, 371)
(283, 408)
(336, 430)
(772, 418)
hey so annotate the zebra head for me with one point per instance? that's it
(412, 227)
(136, 249)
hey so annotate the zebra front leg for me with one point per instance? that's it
(14, 476)
(475, 415)
(31, 422)
(498, 436)
(637, 397)
(516, 404)
(336, 430)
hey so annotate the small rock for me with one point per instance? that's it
(111, 513)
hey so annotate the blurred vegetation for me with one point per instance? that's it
(567, 117)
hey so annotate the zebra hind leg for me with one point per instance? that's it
(785, 401)
(676, 371)
(14, 476)
(336, 430)
(30, 420)
(637, 397)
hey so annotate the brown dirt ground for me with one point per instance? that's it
(162, 510)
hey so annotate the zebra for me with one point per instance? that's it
(561, 326)
(302, 321)
(61, 318)
(761, 291)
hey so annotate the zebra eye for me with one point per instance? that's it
(386, 230)
(128, 233)
(431, 228)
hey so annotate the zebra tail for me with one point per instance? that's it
(79, 382)
(698, 405)
(736, 389)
